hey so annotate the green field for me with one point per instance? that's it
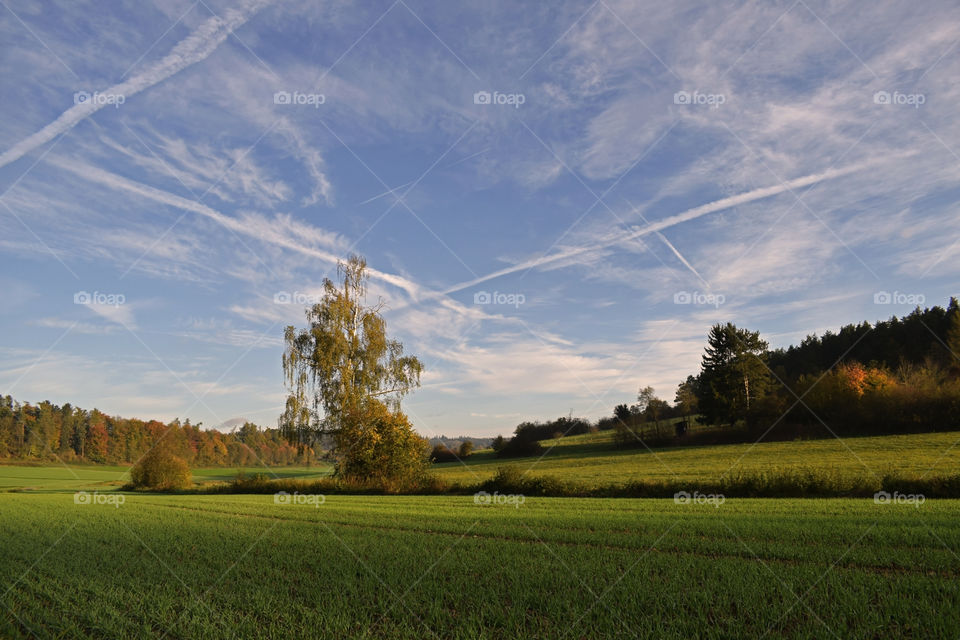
(591, 459)
(54, 477)
(111, 564)
(421, 567)
(222, 474)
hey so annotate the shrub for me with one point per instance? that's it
(382, 448)
(161, 470)
(442, 453)
(518, 447)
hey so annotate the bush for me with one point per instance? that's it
(442, 453)
(161, 470)
(518, 447)
(511, 479)
(381, 447)
(797, 482)
(260, 483)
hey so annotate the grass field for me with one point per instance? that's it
(55, 477)
(224, 474)
(194, 566)
(421, 567)
(591, 459)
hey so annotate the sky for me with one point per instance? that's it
(556, 200)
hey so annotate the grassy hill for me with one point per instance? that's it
(592, 459)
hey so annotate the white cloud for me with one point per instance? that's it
(194, 48)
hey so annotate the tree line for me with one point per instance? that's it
(898, 375)
(46, 432)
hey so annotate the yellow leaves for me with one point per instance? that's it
(343, 362)
(859, 379)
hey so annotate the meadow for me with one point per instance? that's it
(105, 563)
(592, 459)
(447, 567)
(74, 476)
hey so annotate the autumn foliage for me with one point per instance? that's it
(161, 469)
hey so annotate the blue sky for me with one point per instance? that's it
(556, 199)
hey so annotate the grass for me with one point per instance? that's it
(74, 476)
(443, 566)
(54, 477)
(222, 474)
(592, 460)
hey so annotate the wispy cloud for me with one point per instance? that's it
(196, 47)
(660, 225)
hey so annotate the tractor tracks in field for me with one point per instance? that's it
(747, 554)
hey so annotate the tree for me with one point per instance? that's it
(383, 447)
(651, 407)
(442, 453)
(498, 443)
(45, 435)
(67, 426)
(161, 468)
(526, 440)
(466, 448)
(686, 397)
(733, 374)
(346, 379)
(953, 338)
(656, 409)
(97, 438)
(622, 413)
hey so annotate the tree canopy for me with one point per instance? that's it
(346, 379)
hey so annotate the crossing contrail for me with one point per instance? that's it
(658, 226)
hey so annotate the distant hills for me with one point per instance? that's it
(453, 443)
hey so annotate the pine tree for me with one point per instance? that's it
(733, 374)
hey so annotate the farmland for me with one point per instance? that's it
(592, 459)
(73, 476)
(116, 564)
(444, 566)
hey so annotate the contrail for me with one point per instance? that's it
(386, 193)
(407, 184)
(195, 47)
(240, 226)
(680, 257)
(660, 225)
(417, 292)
